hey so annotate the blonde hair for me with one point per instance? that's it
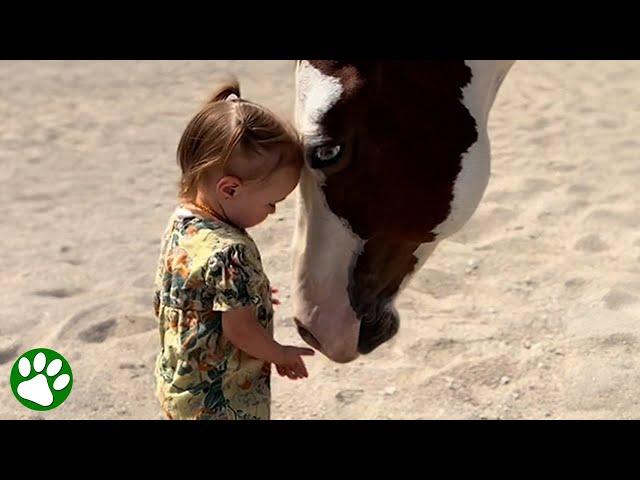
(225, 123)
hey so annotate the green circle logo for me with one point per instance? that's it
(41, 379)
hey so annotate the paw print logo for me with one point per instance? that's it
(41, 379)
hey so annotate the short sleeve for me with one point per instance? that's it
(232, 276)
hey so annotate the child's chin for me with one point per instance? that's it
(253, 223)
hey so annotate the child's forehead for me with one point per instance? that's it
(277, 154)
(246, 163)
(281, 181)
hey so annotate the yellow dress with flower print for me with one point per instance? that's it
(207, 267)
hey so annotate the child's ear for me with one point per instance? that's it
(228, 186)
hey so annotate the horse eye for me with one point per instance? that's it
(325, 155)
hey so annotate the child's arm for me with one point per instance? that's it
(243, 330)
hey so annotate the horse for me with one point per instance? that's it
(397, 158)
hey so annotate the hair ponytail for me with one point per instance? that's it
(232, 87)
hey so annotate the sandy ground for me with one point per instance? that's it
(531, 311)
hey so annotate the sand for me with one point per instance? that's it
(531, 311)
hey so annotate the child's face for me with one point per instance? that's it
(252, 202)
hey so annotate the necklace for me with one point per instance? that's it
(213, 213)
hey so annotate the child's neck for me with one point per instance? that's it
(212, 208)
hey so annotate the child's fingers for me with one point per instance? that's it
(285, 371)
(304, 351)
(301, 369)
(274, 300)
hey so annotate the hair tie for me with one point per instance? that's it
(232, 96)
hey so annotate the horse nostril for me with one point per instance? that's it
(376, 329)
(306, 335)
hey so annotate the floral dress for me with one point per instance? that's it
(207, 267)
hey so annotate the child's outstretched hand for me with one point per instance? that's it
(274, 300)
(292, 365)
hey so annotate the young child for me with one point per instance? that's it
(213, 300)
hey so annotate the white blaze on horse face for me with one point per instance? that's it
(473, 178)
(316, 93)
(324, 245)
